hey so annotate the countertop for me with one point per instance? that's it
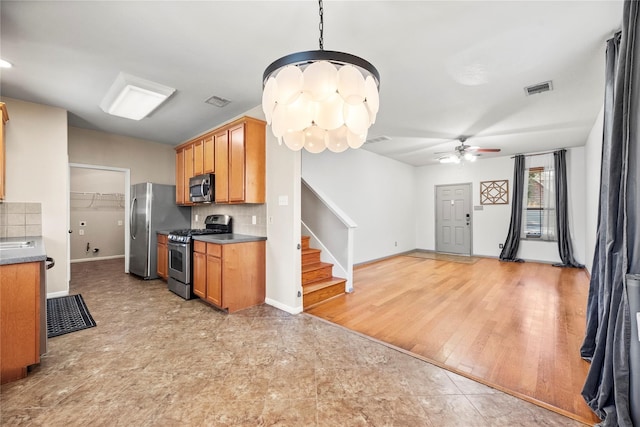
(224, 239)
(17, 256)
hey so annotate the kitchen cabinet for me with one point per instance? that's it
(235, 153)
(163, 257)
(229, 276)
(3, 160)
(246, 174)
(195, 157)
(20, 311)
(198, 157)
(222, 166)
(200, 269)
(208, 163)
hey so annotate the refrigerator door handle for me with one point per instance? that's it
(132, 230)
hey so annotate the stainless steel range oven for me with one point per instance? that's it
(180, 245)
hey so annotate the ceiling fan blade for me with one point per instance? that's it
(487, 150)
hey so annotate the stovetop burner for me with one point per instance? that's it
(216, 224)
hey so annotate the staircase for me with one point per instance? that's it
(318, 283)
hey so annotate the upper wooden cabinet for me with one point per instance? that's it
(235, 153)
(3, 161)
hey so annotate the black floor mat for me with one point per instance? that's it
(67, 314)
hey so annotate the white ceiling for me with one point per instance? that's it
(447, 68)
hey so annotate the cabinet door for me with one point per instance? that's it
(3, 159)
(209, 164)
(198, 157)
(200, 274)
(222, 167)
(20, 313)
(214, 280)
(188, 171)
(163, 260)
(180, 186)
(236, 164)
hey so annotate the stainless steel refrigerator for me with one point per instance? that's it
(153, 208)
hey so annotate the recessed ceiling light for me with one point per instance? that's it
(5, 64)
(133, 97)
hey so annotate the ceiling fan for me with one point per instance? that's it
(464, 152)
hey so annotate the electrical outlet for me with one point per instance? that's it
(196, 217)
(81, 232)
(120, 222)
(253, 220)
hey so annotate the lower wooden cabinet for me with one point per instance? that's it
(163, 257)
(229, 276)
(20, 313)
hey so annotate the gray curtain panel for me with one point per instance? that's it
(510, 249)
(562, 212)
(608, 334)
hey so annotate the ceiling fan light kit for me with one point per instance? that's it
(321, 99)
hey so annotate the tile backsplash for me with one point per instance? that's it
(20, 219)
(242, 217)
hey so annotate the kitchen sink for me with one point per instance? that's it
(24, 244)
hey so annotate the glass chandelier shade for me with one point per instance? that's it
(321, 99)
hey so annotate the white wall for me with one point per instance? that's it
(37, 171)
(376, 192)
(593, 159)
(490, 225)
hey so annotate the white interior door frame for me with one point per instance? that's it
(127, 196)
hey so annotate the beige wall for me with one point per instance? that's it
(37, 172)
(148, 161)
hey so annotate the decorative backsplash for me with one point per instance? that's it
(242, 217)
(20, 219)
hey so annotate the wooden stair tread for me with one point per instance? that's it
(321, 284)
(315, 266)
(310, 251)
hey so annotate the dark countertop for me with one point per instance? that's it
(19, 255)
(224, 239)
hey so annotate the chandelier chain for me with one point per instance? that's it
(321, 25)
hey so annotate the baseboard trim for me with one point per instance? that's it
(102, 258)
(57, 294)
(283, 307)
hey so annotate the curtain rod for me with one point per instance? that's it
(539, 154)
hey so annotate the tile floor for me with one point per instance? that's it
(157, 360)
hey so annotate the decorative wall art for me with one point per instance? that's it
(494, 192)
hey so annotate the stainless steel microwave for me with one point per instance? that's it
(202, 188)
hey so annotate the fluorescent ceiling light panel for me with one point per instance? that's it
(133, 97)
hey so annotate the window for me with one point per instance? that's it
(539, 207)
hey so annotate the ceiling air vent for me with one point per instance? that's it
(217, 101)
(538, 88)
(377, 139)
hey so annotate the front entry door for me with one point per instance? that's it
(453, 219)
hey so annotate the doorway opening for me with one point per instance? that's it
(453, 219)
(98, 207)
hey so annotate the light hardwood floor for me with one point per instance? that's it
(517, 327)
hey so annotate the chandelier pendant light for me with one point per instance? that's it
(320, 99)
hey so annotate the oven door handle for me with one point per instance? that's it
(176, 246)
